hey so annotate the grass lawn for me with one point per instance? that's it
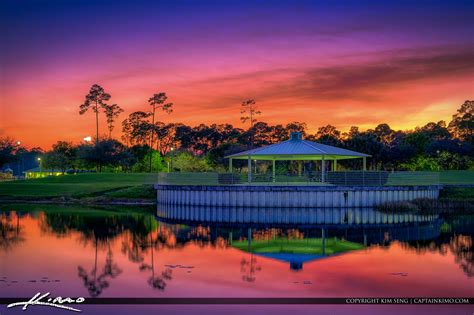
(460, 193)
(431, 178)
(298, 246)
(77, 209)
(123, 185)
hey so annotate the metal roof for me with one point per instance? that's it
(298, 149)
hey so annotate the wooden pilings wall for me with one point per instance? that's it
(290, 196)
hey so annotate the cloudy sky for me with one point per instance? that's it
(321, 62)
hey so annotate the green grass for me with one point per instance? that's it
(298, 246)
(97, 210)
(456, 177)
(125, 185)
(50, 208)
(457, 193)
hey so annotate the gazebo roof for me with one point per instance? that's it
(298, 149)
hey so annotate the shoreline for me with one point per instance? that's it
(80, 202)
(447, 194)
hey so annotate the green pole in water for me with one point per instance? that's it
(249, 238)
(323, 237)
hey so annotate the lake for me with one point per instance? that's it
(91, 252)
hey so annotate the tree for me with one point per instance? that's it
(158, 101)
(7, 150)
(108, 152)
(112, 112)
(142, 165)
(135, 128)
(94, 101)
(453, 161)
(262, 134)
(329, 135)
(422, 163)
(294, 126)
(61, 157)
(435, 131)
(186, 162)
(462, 124)
(165, 137)
(249, 111)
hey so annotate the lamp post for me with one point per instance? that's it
(39, 161)
(170, 163)
(20, 162)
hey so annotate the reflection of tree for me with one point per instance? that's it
(96, 283)
(97, 230)
(157, 280)
(249, 268)
(133, 245)
(11, 232)
(459, 245)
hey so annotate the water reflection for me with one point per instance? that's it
(96, 283)
(286, 216)
(157, 280)
(249, 268)
(11, 232)
(459, 245)
(115, 245)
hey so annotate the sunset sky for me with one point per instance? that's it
(352, 63)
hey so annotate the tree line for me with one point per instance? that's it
(148, 144)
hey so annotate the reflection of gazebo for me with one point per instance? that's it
(296, 261)
(297, 149)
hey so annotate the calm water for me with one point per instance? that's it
(96, 253)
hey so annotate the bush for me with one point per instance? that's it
(186, 162)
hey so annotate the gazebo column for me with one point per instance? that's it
(230, 165)
(322, 169)
(249, 171)
(273, 170)
(334, 165)
(364, 163)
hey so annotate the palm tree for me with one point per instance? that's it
(249, 111)
(157, 101)
(112, 112)
(95, 100)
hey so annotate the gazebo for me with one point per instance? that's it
(297, 149)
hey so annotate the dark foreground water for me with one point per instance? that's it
(71, 251)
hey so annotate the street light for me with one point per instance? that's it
(39, 161)
(20, 162)
(41, 171)
(170, 163)
(88, 139)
